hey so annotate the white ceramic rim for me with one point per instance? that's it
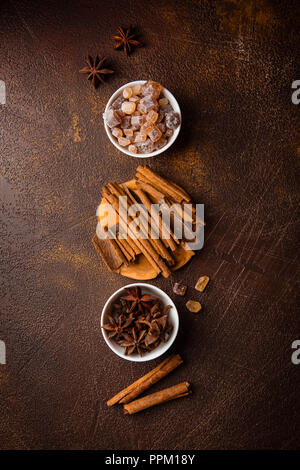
(159, 351)
(173, 103)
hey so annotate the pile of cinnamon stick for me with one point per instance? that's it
(127, 396)
(158, 250)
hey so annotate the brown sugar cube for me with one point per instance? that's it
(162, 127)
(163, 101)
(136, 89)
(140, 137)
(137, 121)
(133, 148)
(123, 141)
(112, 118)
(152, 89)
(146, 104)
(128, 132)
(155, 134)
(202, 283)
(128, 107)
(134, 99)
(152, 116)
(126, 122)
(116, 132)
(146, 128)
(193, 306)
(160, 143)
(127, 92)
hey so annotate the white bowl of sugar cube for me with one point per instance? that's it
(142, 119)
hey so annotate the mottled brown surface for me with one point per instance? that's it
(230, 65)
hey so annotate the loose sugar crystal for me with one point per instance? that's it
(112, 118)
(193, 306)
(127, 92)
(152, 116)
(123, 141)
(152, 89)
(202, 283)
(133, 148)
(172, 120)
(116, 132)
(155, 134)
(128, 107)
(179, 288)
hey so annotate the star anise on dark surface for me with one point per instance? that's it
(133, 341)
(125, 39)
(94, 70)
(137, 299)
(116, 328)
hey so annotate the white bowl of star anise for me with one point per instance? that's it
(139, 322)
(142, 119)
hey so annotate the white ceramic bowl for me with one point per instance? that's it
(173, 318)
(172, 139)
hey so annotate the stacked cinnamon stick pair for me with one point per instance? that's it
(127, 396)
(160, 243)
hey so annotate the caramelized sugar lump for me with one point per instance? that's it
(141, 118)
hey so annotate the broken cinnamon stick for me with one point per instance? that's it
(109, 252)
(142, 384)
(177, 391)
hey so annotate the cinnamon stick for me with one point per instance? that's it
(177, 391)
(142, 384)
(163, 227)
(117, 191)
(167, 187)
(154, 228)
(143, 245)
(149, 189)
(109, 252)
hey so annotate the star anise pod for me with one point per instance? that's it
(94, 70)
(116, 329)
(125, 39)
(133, 341)
(137, 299)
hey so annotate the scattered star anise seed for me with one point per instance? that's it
(94, 70)
(125, 39)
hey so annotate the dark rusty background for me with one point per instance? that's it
(231, 65)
